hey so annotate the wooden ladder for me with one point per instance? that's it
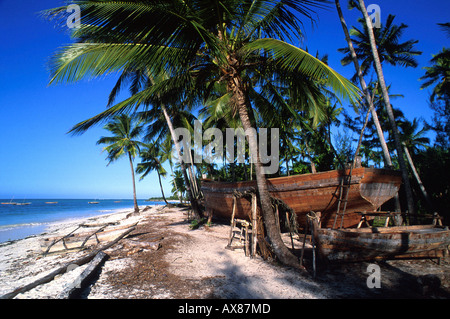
(344, 187)
(244, 230)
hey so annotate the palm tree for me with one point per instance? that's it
(150, 157)
(390, 50)
(359, 73)
(413, 141)
(198, 43)
(123, 143)
(438, 74)
(398, 145)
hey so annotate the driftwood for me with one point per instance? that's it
(63, 269)
(82, 238)
(74, 288)
(92, 234)
(62, 238)
(99, 225)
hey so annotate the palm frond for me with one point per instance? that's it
(295, 59)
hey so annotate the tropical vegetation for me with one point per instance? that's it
(232, 64)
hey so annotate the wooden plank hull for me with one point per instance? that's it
(369, 189)
(366, 244)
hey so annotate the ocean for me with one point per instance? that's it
(20, 221)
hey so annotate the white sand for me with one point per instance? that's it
(22, 261)
(194, 256)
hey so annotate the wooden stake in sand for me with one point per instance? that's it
(63, 269)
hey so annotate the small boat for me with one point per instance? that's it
(378, 243)
(21, 204)
(9, 203)
(368, 189)
(93, 202)
(51, 202)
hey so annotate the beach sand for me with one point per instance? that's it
(195, 264)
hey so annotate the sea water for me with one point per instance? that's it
(20, 221)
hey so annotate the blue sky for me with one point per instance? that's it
(39, 160)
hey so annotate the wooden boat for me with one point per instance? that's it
(21, 204)
(93, 202)
(369, 188)
(377, 243)
(51, 202)
(10, 202)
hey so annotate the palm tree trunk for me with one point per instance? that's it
(162, 190)
(192, 199)
(195, 189)
(419, 180)
(237, 87)
(398, 146)
(386, 155)
(136, 207)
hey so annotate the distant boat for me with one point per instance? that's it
(21, 204)
(93, 202)
(117, 201)
(10, 202)
(51, 202)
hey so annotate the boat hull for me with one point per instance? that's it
(369, 189)
(365, 244)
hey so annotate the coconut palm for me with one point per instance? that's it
(414, 141)
(438, 74)
(151, 161)
(123, 143)
(197, 43)
(379, 70)
(367, 95)
(390, 49)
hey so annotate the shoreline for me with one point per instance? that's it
(163, 258)
(22, 260)
(14, 232)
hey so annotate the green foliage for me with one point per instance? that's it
(433, 166)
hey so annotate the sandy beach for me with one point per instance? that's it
(164, 259)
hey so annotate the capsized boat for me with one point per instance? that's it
(368, 189)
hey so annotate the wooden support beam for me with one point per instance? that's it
(254, 225)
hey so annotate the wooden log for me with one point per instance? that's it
(80, 281)
(63, 269)
(99, 225)
(92, 234)
(58, 240)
